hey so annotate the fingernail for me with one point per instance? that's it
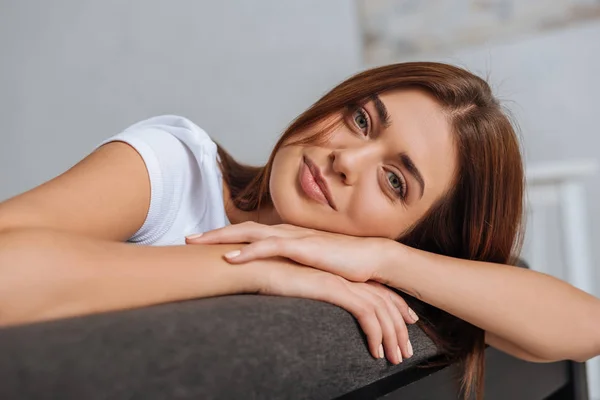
(232, 254)
(381, 355)
(399, 355)
(194, 236)
(410, 349)
(413, 315)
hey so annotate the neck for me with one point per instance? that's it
(264, 215)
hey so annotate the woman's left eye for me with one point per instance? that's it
(397, 184)
(361, 120)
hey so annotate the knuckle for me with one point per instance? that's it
(403, 334)
(364, 310)
(401, 326)
(274, 242)
(379, 303)
(393, 295)
(371, 329)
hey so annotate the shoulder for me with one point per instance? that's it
(169, 144)
(182, 164)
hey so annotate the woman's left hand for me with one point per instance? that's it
(357, 259)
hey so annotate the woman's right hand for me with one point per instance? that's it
(381, 313)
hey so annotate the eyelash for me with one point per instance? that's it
(363, 113)
(401, 191)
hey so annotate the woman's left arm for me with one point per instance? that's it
(528, 314)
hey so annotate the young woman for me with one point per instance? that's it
(407, 175)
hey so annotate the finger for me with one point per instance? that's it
(364, 312)
(397, 305)
(296, 249)
(409, 316)
(369, 323)
(395, 334)
(307, 250)
(389, 336)
(400, 326)
(239, 233)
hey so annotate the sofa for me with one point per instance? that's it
(245, 347)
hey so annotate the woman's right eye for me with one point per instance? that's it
(361, 120)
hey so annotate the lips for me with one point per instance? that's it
(314, 184)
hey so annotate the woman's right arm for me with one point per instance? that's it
(60, 250)
(105, 196)
(47, 274)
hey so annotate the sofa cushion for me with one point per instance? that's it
(242, 346)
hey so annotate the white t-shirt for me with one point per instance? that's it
(185, 179)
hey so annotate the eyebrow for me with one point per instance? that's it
(405, 160)
(382, 112)
(412, 169)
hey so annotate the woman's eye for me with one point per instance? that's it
(396, 183)
(361, 120)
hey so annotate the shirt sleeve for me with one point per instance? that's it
(164, 145)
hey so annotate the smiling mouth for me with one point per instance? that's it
(313, 184)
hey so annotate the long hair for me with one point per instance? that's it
(479, 218)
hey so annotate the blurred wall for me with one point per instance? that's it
(75, 72)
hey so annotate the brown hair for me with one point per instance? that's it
(478, 219)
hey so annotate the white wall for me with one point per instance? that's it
(75, 72)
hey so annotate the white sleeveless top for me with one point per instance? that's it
(185, 179)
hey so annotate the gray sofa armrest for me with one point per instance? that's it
(242, 346)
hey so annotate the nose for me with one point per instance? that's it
(349, 162)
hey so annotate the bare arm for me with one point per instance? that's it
(104, 196)
(47, 274)
(61, 252)
(526, 313)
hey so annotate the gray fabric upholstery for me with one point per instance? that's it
(231, 347)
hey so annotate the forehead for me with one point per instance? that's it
(420, 127)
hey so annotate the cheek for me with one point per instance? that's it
(372, 214)
(283, 177)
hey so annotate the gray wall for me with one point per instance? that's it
(75, 72)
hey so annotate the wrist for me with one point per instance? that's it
(393, 255)
(244, 278)
(251, 277)
(260, 274)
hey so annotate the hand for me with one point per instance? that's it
(355, 258)
(381, 313)
(343, 256)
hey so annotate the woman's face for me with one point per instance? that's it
(377, 173)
